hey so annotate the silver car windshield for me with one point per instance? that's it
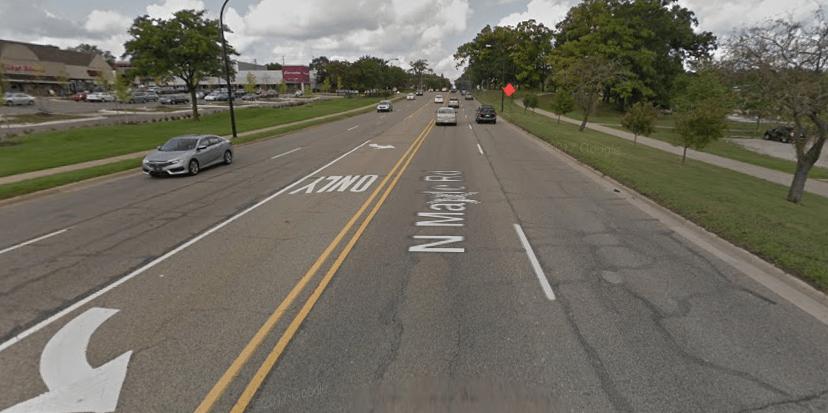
(179, 144)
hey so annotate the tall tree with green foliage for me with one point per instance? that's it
(700, 111)
(587, 77)
(250, 86)
(640, 119)
(530, 101)
(652, 40)
(561, 103)
(187, 46)
(326, 85)
(533, 43)
(121, 85)
(418, 69)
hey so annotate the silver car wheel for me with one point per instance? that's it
(193, 167)
(228, 157)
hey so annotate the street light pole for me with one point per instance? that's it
(227, 70)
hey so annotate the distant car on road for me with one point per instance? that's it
(385, 106)
(469, 96)
(419, 92)
(782, 134)
(454, 103)
(188, 154)
(15, 99)
(446, 116)
(409, 96)
(486, 113)
(438, 99)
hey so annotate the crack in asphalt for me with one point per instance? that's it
(803, 399)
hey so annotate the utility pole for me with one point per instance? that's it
(227, 70)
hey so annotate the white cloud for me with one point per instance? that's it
(722, 17)
(169, 7)
(107, 22)
(548, 12)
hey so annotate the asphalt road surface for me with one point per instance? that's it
(382, 263)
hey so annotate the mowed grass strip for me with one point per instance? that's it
(52, 181)
(57, 148)
(665, 131)
(747, 211)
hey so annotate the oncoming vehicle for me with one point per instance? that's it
(446, 116)
(438, 99)
(385, 106)
(188, 154)
(409, 96)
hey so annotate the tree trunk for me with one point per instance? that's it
(583, 123)
(683, 155)
(195, 104)
(635, 139)
(799, 179)
(559, 119)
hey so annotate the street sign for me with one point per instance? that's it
(509, 89)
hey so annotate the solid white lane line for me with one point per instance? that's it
(23, 244)
(480, 149)
(285, 153)
(547, 289)
(354, 127)
(470, 127)
(133, 274)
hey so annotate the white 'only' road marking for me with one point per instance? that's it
(285, 153)
(547, 289)
(23, 244)
(37, 327)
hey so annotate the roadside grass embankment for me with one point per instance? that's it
(58, 148)
(665, 131)
(746, 211)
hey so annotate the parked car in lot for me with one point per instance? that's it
(211, 96)
(139, 97)
(100, 97)
(15, 99)
(438, 99)
(454, 103)
(385, 106)
(77, 97)
(446, 116)
(487, 114)
(173, 100)
(250, 96)
(782, 134)
(188, 154)
(223, 97)
(298, 93)
(409, 96)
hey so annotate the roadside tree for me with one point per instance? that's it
(700, 112)
(187, 46)
(782, 63)
(587, 77)
(122, 92)
(562, 103)
(640, 119)
(250, 86)
(530, 101)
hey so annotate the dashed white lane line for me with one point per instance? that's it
(37, 327)
(354, 127)
(470, 127)
(285, 153)
(32, 241)
(547, 289)
(480, 149)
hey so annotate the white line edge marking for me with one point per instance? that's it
(535, 264)
(354, 127)
(285, 153)
(480, 149)
(23, 244)
(133, 274)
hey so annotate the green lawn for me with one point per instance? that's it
(747, 211)
(610, 117)
(51, 149)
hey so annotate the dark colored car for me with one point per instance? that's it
(782, 134)
(486, 113)
(250, 96)
(173, 100)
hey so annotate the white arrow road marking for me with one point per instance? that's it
(74, 386)
(375, 146)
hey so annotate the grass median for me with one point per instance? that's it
(747, 211)
(665, 131)
(66, 147)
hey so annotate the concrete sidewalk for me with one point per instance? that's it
(812, 185)
(84, 165)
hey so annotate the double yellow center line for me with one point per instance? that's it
(232, 372)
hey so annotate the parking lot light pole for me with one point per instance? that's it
(227, 70)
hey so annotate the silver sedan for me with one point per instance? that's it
(18, 99)
(446, 116)
(188, 154)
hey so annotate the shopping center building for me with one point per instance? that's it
(38, 69)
